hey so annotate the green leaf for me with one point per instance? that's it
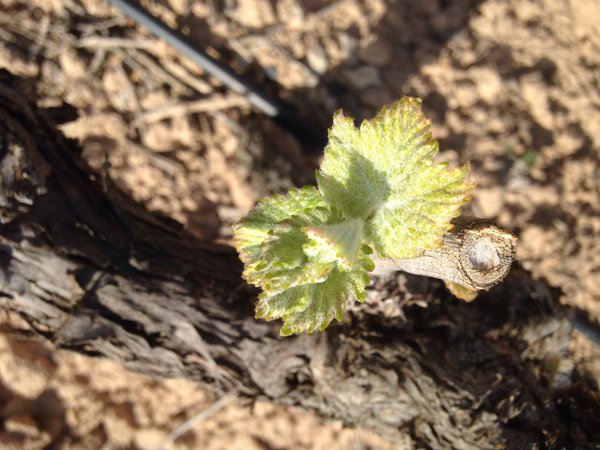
(344, 238)
(301, 207)
(271, 242)
(289, 246)
(378, 190)
(284, 262)
(382, 172)
(313, 306)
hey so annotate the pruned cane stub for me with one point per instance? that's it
(476, 254)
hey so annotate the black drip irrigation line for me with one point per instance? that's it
(281, 112)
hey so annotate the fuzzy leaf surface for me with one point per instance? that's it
(289, 248)
(382, 172)
(378, 190)
(271, 242)
(312, 306)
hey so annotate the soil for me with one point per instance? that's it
(511, 85)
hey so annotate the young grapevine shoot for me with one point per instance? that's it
(378, 191)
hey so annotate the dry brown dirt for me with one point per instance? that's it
(511, 85)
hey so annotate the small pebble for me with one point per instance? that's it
(363, 77)
(317, 59)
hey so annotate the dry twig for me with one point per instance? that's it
(196, 420)
(216, 102)
(96, 42)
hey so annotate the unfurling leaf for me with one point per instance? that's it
(462, 292)
(377, 190)
(382, 172)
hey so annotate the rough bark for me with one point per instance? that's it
(476, 254)
(92, 271)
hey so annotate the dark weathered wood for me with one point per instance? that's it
(91, 271)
